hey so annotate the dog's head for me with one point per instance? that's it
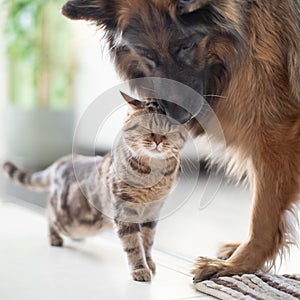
(195, 42)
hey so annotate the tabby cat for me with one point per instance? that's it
(125, 188)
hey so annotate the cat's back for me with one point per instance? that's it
(75, 204)
(76, 166)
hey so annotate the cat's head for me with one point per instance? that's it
(148, 131)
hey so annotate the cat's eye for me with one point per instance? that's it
(172, 135)
(176, 135)
(144, 129)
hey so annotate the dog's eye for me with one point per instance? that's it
(150, 60)
(146, 53)
(187, 47)
(149, 56)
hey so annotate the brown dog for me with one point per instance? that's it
(248, 52)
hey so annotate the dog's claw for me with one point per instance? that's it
(206, 268)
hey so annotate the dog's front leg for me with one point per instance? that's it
(274, 183)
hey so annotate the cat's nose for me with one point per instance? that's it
(157, 138)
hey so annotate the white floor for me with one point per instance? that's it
(96, 268)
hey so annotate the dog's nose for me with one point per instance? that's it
(174, 112)
(187, 6)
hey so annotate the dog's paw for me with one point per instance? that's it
(226, 250)
(141, 275)
(208, 268)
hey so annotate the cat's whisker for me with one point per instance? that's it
(147, 88)
(188, 167)
(176, 158)
(218, 96)
(179, 161)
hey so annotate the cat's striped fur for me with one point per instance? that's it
(125, 188)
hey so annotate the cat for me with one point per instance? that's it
(125, 188)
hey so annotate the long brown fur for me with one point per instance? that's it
(249, 54)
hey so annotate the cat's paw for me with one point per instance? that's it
(141, 275)
(56, 241)
(151, 265)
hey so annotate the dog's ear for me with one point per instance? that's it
(189, 6)
(103, 12)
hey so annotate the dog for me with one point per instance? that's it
(243, 56)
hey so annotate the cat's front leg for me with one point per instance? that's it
(148, 232)
(130, 235)
(54, 237)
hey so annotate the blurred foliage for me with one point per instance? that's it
(39, 47)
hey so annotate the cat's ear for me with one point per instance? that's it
(103, 12)
(134, 103)
(189, 6)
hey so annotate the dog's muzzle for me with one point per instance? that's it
(175, 112)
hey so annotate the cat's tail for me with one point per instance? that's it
(38, 181)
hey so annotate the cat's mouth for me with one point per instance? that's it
(156, 150)
(151, 149)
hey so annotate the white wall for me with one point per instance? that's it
(3, 78)
(95, 71)
(95, 74)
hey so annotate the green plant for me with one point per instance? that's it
(39, 43)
